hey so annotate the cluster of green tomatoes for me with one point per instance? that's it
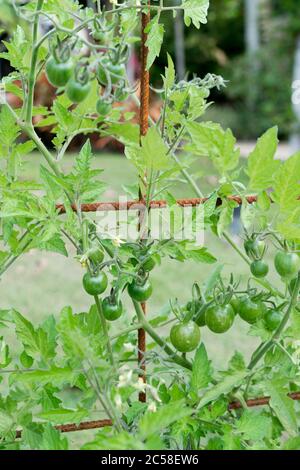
(75, 78)
(95, 281)
(218, 313)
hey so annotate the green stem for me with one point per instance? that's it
(236, 248)
(151, 332)
(105, 330)
(134, 327)
(34, 58)
(263, 350)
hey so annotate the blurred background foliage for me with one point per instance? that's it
(259, 88)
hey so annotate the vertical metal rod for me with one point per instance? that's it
(144, 120)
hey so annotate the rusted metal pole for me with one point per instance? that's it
(144, 124)
(159, 204)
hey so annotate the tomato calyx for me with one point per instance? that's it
(255, 248)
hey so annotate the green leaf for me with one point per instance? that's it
(293, 443)
(122, 440)
(195, 11)
(209, 139)
(63, 416)
(127, 133)
(201, 373)
(287, 183)
(55, 376)
(169, 77)
(261, 163)
(35, 342)
(17, 51)
(223, 387)
(283, 407)
(154, 42)
(53, 440)
(155, 422)
(6, 423)
(152, 154)
(255, 426)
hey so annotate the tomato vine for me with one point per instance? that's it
(188, 400)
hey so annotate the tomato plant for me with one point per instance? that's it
(153, 374)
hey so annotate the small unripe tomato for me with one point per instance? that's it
(76, 91)
(140, 291)
(287, 264)
(103, 107)
(272, 319)
(58, 73)
(112, 310)
(219, 318)
(185, 337)
(259, 269)
(95, 284)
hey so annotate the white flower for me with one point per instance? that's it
(154, 393)
(125, 378)
(140, 385)
(118, 401)
(152, 407)
(117, 241)
(128, 347)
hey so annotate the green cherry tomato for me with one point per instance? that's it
(235, 304)
(76, 91)
(103, 107)
(149, 263)
(199, 312)
(111, 310)
(250, 310)
(219, 318)
(99, 36)
(58, 73)
(259, 268)
(121, 94)
(287, 264)
(105, 68)
(140, 291)
(95, 254)
(254, 248)
(272, 319)
(185, 337)
(95, 284)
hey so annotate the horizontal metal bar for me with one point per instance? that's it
(86, 425)
(139, 205)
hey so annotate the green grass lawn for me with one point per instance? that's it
(42, 283)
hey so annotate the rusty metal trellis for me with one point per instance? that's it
(144, 124)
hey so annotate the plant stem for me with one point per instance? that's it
(105, 330)
(34, 58)
(236, 248)
(151, 332)
(134, 327)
